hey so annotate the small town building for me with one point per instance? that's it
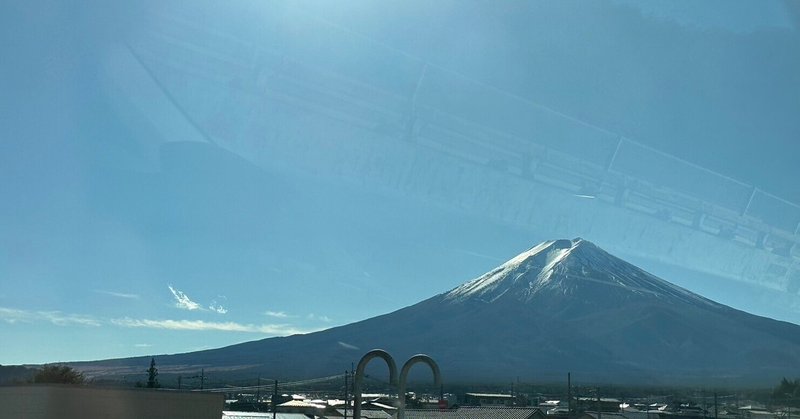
(602, 404)
(55, 401)
(365, 414)
(300, 406)
(488, 399)
(755, 412)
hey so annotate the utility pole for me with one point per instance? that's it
(705, 404)
(179, 382)
(569, 394)
(599, 415)
(275, 400)
(346, 375)
(258, 393)
(202, 378)
(716, 412)
(353, 385)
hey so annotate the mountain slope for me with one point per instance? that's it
(563, 305)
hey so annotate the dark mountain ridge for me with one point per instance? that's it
(562, 306)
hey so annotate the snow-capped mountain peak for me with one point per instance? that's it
(539, 262)
(569, 267)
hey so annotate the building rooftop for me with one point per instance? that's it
(490, 395)
(369, 414)
(261, 415)
(477, 413)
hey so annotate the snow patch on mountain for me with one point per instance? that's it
(541, 260)
(563, 267)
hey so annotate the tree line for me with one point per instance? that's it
(64, 374)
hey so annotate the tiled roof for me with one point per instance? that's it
(261, 415)
(300, 403)
(474, 413)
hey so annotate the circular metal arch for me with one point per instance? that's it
(437, 379)
(359, 377)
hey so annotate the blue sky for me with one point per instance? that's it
(115, 241)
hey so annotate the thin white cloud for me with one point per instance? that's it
(326, 319)
(61, 319)
(143, 345)
(277, 314)
(12, 315)
(200, 325)
(118, 294)
(182, 300)
(217, 308)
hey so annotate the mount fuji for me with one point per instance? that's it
(561, 306)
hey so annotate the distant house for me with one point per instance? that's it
(378, 405)
(488, 399)
(755, 412)
(602, 415)
(549, 404)
(603, 404)
(554, 408)
(299, 406)
(365, 414)
(558, 411)
(372, 409)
